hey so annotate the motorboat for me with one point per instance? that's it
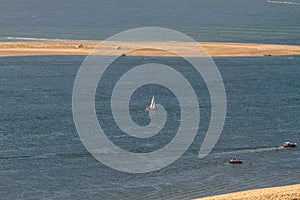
(235, 161)
(289, 144)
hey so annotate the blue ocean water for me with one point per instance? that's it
(205, 20)
(42, 156)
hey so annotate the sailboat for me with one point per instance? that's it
(152, 105)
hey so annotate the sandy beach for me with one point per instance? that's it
(214, 49)
(291, 192)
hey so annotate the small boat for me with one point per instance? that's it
(289, 144)
(235, 161)
(152, 105)
(123, 54)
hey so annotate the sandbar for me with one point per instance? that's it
(291, 192)
(171, 49)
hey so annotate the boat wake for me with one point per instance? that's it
(284, 2)
(254, 150)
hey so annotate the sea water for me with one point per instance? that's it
(205, 20)
(42, 156)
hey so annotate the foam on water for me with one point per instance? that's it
(284, 2)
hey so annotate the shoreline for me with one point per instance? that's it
(188, 49)
(290, 192)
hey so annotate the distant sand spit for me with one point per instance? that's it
(291, 192)
(214, 49)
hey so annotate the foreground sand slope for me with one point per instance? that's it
(214, 49)
(291, 192)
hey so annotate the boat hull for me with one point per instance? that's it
(289, 144)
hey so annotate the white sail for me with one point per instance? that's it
(152, 105)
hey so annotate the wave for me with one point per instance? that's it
(44, 156)
(36, 39)
(29, 39)
(284, 2)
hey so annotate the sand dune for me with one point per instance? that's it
(214, 49)
(291, 192)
